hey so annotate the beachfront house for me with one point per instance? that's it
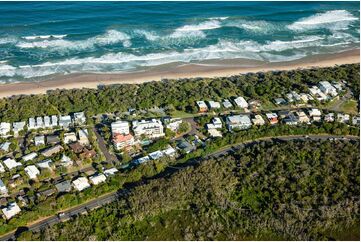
(173, 124)
(202, 107)
(5, 128)
(227, 104)
(79, 118)
(11, 210)
(241, 102)
(32, 171)
(150, 128)
(239, 122)
(327, 88)
(18, 126)
(214, 105)
(65, 121)
(120, 127)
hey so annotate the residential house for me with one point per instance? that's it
(272, 118)
(327, 88)
(54, 120)
(29, 157)
(79, 118)
(296, 96)
(202, 107)
(120, 127)
(46, 193)
(315, 114)
(258, 120)
(87, 154)
(5, 146)
(185, 146)
(39, 123)
(317, 93)
(302, 117)
(11, 210)
(18, 126)
(280, 101)
(97, 179)
(4, 128)
(283, 114)
(32, 171)
(70, 137)
(141, 160)
(81, 183)
(45, 164)
(290, 119)
(39, 140)
(254, 104)
(76, 147)
(66, 161)
(214, 105)
(65, 121)
(83, 137)
(64, 186)
(170, 151)
(121, 141)
(31, 124)
(52, 139)
(51, 151)
(173, 124)
(11, 163)
(150, 128)
(356, 120)
(156, 155)
(111, 171)
(2, 168)
(3, 189)
(216, 124)
(214, 133)
(330, 117)
(304, 97)
(343, 118)
(289, 97)
(47, 122)
(241, 102)
(238, 122)
(227, 104)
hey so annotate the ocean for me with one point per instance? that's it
(42, 39)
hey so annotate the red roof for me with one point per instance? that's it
(117, 138)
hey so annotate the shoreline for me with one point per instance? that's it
(222, 68)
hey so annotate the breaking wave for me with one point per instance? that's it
(55, 36)
(334, 20)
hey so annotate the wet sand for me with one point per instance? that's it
(219, 68)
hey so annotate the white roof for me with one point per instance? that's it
(156, 155)
(216, 120)
(271, 115)
(241, 102)
(11, 210)
(236, 119)
(66, 161)
(315, 112)
(81, 183)
(29, 156)
(5, 146)
(214, 133)
(3, 188)
(201, 104)
(17, 126)
(39, 139)
(44, 163)
(96, 179)
(170, 151)
(143, 159)
(227, 104)
(32, 171)
(11, 163)
(110, 171)
(2, 168)
(213, 104)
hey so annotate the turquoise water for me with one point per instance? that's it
(38, 39)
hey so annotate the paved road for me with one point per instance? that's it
(106, 199)
(110, 157)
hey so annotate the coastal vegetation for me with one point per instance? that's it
(294, 190)
(175, 95)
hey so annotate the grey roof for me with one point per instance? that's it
(63, 186)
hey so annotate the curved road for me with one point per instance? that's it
(103, 200)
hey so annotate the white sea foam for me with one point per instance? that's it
(110, 37)
(334, 20)
(257, 26)
(206, 25)
(55, 36)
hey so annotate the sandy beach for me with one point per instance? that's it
(210, 69)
